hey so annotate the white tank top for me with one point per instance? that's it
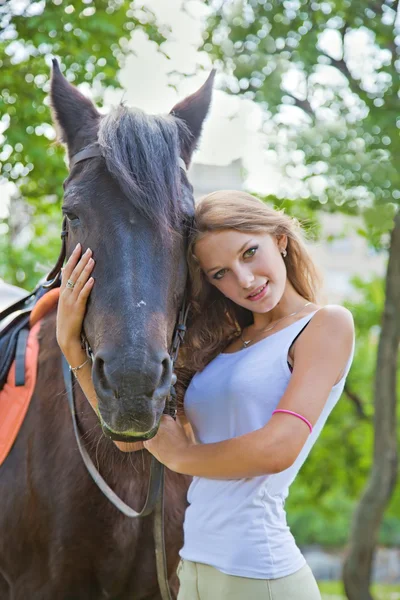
(239, 526)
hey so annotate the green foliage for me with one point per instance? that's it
(333, 590)
(303, 211)
(91, 40)
(343, 127)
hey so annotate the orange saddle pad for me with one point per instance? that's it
(15, 400)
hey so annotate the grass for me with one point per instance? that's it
(333, 590)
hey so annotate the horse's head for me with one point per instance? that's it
(132, 206)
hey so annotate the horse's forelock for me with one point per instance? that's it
(141, 152)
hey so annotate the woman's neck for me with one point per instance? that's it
(289, 303)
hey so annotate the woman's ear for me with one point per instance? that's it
(281, 241)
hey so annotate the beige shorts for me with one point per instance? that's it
(202, 582)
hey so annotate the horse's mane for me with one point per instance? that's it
(141, 151)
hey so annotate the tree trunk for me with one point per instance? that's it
(379, 488)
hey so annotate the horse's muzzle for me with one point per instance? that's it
(141, 374)
(119, 437)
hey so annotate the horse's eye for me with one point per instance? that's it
(72, 218)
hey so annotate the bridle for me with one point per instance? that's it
(155, 494)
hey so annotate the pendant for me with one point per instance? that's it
(245, 344)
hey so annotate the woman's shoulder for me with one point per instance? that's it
(327, 342)
(334, 315)
(333, 323)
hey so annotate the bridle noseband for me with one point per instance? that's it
(155, 495)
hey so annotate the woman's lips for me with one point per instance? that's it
(260, 294)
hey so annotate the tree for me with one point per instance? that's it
(326, 72)
(91, 39)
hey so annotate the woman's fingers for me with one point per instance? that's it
(76, 273)
(73, 298)
(87, 288)
(84, 275)
(79, 274)
(70, 266)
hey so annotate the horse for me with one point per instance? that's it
(132, 204)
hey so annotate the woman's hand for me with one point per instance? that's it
(169, 444)
(72, 302)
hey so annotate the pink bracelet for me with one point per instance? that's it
(290, 412)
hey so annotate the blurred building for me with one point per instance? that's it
(341, 253)
(210, 178)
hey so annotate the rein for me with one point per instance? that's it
(155, 494)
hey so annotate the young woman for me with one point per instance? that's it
(266, 365)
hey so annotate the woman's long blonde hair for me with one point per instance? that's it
(214, 319)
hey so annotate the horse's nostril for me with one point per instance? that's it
(116, 379)
(166, 374)
(99, 372)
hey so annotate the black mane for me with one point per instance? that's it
(142, 151)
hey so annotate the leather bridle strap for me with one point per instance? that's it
(94, 151)
(155, 469)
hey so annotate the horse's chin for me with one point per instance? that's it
(129, 436)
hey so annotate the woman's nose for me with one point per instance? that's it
(245, 279)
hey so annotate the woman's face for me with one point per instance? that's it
(248, 268)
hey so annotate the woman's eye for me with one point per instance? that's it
(219, 274)
(250, 252)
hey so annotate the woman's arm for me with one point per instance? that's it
(321, 354)
(187, 428)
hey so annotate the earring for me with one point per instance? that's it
(284, 253)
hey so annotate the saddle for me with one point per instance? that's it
(15, 323)
(19, 351)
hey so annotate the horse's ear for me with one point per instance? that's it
(193, 110)
(76, 116)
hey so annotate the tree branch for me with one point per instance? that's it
(303, 104)
(341, 65)
(358, 403)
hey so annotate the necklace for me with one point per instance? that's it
(247, 342)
